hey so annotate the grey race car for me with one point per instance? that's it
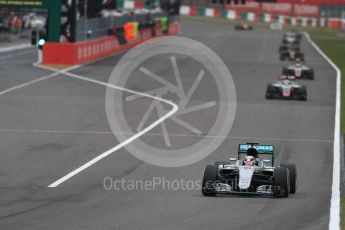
(286, 47)
(292, 38)
(262, 178)
(286, 88)
(299, 71)
(291, 54)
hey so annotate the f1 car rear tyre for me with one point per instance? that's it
(209, 179)
(300, 56)
(292, 176)
(311, 75)
(303, 93)
(281, 181)
(286, 71)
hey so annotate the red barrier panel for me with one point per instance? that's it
(249, 6)
(139, 5)
(217, 12)
(193, 10)
(342, 26)
(334, 22)
(276, 8)
(76, 53)
(306, 10)
(83, 52)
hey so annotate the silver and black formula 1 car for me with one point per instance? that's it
(299, 71)
(292, 38)
(286, 47)
(291, 54)
(235, 176)
(243, 26)
(286, 88)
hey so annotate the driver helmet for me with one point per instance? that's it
(249, 161)
(298, 62)
(283, 77)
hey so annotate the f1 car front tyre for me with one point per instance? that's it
(292, 176)
(270, 91)
(281, 182)
(300, 56)
(209, 180)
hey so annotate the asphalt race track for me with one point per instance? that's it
(53, 126)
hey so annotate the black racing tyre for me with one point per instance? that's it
(303, 93)
(292, 176)
(282, 58)
(311, 75)
(286, 71)
(268, 96)
(281, 180)
(209, 179)
(269, 92)
(301, 57)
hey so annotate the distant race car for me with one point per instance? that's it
(286, 88)
(292, 38)
(299, 71)
(291, 55)
(243, 26)
(286, 47)
(251, 173)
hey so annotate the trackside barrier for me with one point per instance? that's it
(252, 16)
(343, 25)
(83, 52)
(334, 22)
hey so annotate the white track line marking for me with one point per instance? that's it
(334, 222)
(15, 54)
(35, 81)
(122, 144)
(15, 47)
(40, 131)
